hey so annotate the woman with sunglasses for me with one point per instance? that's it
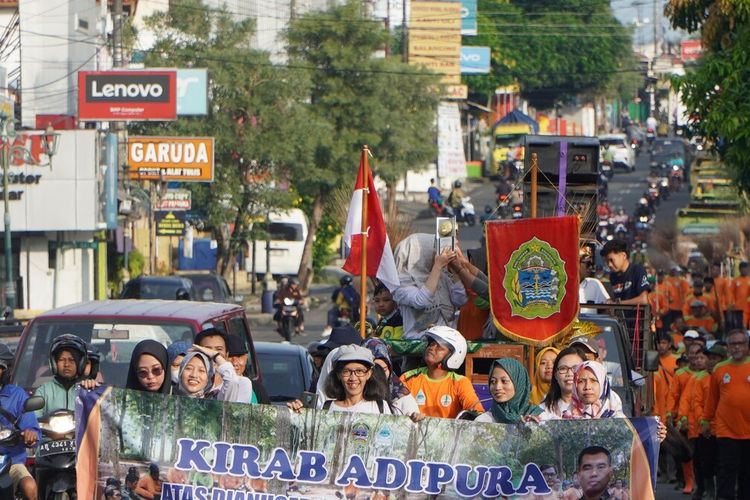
(148, 368)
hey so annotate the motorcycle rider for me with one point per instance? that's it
(456, 197)
(346, 303)
(67, 360)
(12, 399)
(292, 291)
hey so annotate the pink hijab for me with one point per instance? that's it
(607, 404)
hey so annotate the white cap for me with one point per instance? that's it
(354, 353)
(691, 334)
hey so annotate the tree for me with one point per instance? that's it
(554, 49)
(354, 97)
(715, 91)
(253, 115)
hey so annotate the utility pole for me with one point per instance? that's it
(656, 28)
(404, 46)
(117, 128)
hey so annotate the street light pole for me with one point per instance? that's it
(7, 135)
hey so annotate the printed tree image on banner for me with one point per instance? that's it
(228, 451)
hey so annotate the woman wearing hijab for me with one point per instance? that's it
(401, 399)
(196, 374)
(510, 388)
(148, 368)
(545, 361)
(592, 394)
(176, 353)
(556, 404)
(427, 295)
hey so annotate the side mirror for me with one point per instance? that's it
(34, 403)
(651, 361)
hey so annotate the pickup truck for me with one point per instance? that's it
(629, 357)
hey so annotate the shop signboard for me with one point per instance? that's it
(186, 159)
(170, 223)
(127, 95)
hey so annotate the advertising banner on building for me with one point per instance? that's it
(691, 50)
(533, 271)
(175, 199)
(468, 17)
(208, 449)
(186, 159)
(435, 38)
(127, 95)
(451, 160)
(475, 60)
(53, 194)
(169, 223)
(192, 92)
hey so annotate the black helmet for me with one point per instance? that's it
(345, 280)
(182, 294)
(316, 348)
(294, 281)
(457, 184)
(6, 357)
(95, 358)
(70, 343)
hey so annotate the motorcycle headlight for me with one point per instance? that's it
(288, 301)
(675, 168)
(61, 424)
(664, 183)
(5, 433)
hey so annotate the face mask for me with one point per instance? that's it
(174, 375)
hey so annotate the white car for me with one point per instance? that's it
(624, 155)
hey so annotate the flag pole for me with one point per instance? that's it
(364, 162)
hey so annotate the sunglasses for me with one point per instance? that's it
(154, 372)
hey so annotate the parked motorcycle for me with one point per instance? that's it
(10, 435)
(55, 463)
(289, 316)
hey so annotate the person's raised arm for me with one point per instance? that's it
(438, 265)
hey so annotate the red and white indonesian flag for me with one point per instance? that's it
(380, 262)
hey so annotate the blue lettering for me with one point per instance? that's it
(201, 493)
(220, 458)
(498, 482)
(245, 461)
(415, 476)
(218, 494)
(462, 480)
(279, 464)
(187, 494)
(533, 481)
(437, 474)
(189, 455)
(384, 466)
(280, 497)
(312, 467)
(356, 471)
(166, 492)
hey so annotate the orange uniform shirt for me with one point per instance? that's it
(674, 294)
(679, 381)
(728, 403)
(706, 322)
(740, 290)
(687, 410)
(662, 381)
(444, 398)
(722, 288)
(709, 299)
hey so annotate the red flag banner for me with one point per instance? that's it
(533, 272)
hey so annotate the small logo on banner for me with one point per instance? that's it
(535, 280)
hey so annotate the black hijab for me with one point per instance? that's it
(155, 349)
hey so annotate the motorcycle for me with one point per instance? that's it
(55, 462)
(10, 435)
(517, 211)
(675, 178)
(604, 231)
(607, 169)
(635, 146)
(439, 208)
(289, 314)
(664, 188)
(650, 136)
(466, 212)
(653, 193)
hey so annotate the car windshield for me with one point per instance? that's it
(618, 143)
(282, 375)
(668, 148)
(210, 288)
(114, 341)
(151, 290)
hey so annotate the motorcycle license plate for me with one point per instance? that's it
(290, 310)
(56, 447)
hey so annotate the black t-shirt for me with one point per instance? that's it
(630, 283)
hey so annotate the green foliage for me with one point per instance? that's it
(136, 262)
(554, 49)
(253, 115)
(715, 91)
(323, 249)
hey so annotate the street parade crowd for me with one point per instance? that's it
(702, 386)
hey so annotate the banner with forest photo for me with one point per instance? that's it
(212, 450)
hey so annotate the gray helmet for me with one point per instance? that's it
(457, 184)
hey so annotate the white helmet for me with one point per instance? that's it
(453, 339)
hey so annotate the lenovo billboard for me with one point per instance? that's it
(127, 95)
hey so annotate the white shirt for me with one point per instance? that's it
(486, 418)
(591, 290)
(362, 407)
